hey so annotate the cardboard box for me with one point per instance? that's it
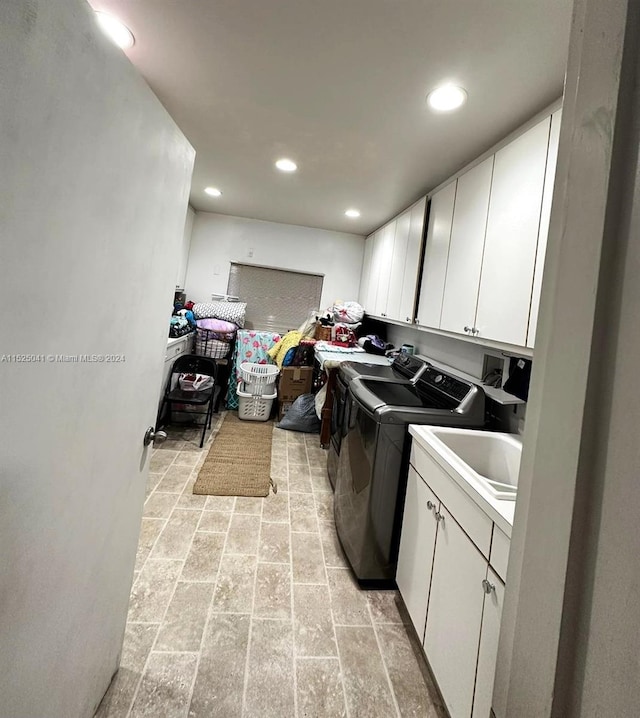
(294, 381)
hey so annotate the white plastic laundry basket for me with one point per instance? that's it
(253, 407)
(259, 379)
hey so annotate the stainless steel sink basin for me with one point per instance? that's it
(490, 458)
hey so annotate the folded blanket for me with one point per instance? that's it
(279, 351)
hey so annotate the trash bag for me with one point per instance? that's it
(195, 382)
(302, 416)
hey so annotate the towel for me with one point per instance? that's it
(279, 351)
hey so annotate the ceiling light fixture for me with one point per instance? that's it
(116, 31)
(285, 165)
(353, 213)
(447, 98)
(212, 191)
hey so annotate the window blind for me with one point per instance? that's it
(277, 299)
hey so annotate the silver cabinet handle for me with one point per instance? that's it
(475, 331)
(439, 516)
(408, 319)
(488, 586)
(430, 505)
(467, 329)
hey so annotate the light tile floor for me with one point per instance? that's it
(245, 607)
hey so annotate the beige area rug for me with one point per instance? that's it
(239, 460)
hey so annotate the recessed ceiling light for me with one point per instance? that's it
(115, 30)
(285, 165)
(212, 191)
(352, 213)
(447, 98)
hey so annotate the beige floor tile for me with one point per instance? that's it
(306, 558)
(248, 505)
(367, 690)
(279, 467)
(187, 458)
(270, 671)
(152, 591)
(175, 539)
(159, 506)
(161, 460)
(297, 454)
(313, 625)
(166, 686)
(189, 500)
(320, 479)
(348, 603)
(319, 688)
(414, 691)
(220, 503)
(184, 621)
(138, 639)
(273, 591)
(174, 480)
(219, 685)
(276, 508)
(303, 513)
(235, 584)
(150, 529)
(215, 521)
(333, 554)
(203, 558)
(243, 534)
(324, 505)
(274, 546)
(384, 606)
(300, 478)
(152, 481)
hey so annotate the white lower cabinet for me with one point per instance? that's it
(417, 545)
(454, 615)
(451, 591)
(492, 612)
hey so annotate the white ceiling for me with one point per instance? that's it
(339, 86)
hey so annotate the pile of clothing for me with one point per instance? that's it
(217, 324)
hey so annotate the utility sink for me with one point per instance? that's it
(490, 458)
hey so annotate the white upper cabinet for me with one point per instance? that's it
(396, 278)
(365, 277)
(412, 262)
(386, 244)
(436, 254)
(465, 248)
(547, 196)
(511, 238)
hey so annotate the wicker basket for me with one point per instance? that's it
(255, 408)
(322, 333)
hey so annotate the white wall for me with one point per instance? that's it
(185, 247)
(219, 239)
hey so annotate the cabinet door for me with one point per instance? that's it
(545, 215)
(374, 271)
(454, 615)
(488, 647)
(509, 257)
(436, 255)
(412, 262)
(385, 256)
(398, 260)
(466, 247)
(365, 276)
(417, 543)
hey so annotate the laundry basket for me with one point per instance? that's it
(259, 379)
(255, 407)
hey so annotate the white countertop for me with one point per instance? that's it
(500, 511)
(174, 340)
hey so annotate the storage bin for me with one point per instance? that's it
(259, 379)
(252, 407)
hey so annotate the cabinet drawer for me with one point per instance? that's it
(499, 557)
(175, 350)
(477, 525)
